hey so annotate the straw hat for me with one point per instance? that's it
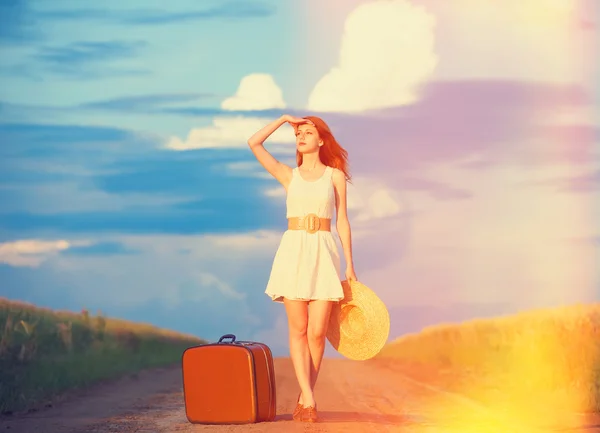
(359, 324)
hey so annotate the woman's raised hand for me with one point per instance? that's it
(295, 121)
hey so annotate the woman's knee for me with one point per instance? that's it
(317, 333)
(298, 330)
(297, 313)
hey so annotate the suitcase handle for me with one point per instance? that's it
(231, 336)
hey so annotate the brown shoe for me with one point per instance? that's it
(296, 415)
(309, 414)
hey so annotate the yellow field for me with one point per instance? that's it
(537, 362)
(44, 352)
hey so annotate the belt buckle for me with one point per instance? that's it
(314, 223)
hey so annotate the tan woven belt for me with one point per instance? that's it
(311, 223)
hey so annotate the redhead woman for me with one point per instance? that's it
(306, 269)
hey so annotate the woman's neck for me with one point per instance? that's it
(311, 161)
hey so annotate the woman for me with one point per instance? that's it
(306, 268)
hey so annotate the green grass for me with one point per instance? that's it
(548, 358)
(45, 352)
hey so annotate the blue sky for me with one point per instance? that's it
(127, 187)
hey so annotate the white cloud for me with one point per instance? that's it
(276, 336)
(32, 252)
(256, 241)
(525, 40)
(255, 92)
(173, 269)
(211, 281)
(387, 51)
(567, 116)
(505, 244)
(219, 275)
(226, 132)
(247, 169)
(276, 192)
(198, 286)
(371, 199)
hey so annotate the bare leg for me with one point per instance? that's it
(297, 312)
(318, 320)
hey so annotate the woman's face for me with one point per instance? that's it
(307, 138)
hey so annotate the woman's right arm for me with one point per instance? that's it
(278, 170)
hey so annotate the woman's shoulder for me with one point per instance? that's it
(336, 171)
(337, 175)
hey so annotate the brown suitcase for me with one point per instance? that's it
(229, 382)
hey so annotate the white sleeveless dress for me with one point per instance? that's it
(307, 266)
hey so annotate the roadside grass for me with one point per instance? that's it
(535, 363)
(45, 352)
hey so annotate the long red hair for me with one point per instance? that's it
(331, 153)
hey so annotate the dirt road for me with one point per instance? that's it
(352, 397)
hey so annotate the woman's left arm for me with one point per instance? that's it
(342, 222)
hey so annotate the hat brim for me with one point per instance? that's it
(359, 324)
